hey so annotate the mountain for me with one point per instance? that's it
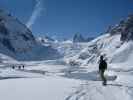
(45, 39)
(125, 28)
(55, 79)
(116, 45)
(79, 38)
(89, 39)
(17, 41)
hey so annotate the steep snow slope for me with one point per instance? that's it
(115, 51)
(116, 46)
(105, 45)
(111, 46)
(17, 41)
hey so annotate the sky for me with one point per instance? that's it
(64, 18)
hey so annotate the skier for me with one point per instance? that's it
(23, 66)
(102, 68)
(13, 67)
(19, 67)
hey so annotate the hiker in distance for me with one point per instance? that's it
(102, 68)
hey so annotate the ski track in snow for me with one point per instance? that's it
(91, 90)
(96, 92)
(87, 90)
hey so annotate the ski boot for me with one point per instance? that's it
(104, 83)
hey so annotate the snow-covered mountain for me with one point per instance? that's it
(17, 41)
(125, 28)
(54, 79)
(78, 38)
(45, 39)
(116, 46)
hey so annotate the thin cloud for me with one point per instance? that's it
(39, 7)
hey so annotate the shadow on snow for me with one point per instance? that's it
(10, 77)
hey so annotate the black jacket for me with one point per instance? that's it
(102, 65)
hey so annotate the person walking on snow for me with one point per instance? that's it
(102, 68)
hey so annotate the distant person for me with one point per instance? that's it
(19, 67)
(102, 68)
(13, 67)
(23, 66)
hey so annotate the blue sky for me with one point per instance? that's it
(64, 18)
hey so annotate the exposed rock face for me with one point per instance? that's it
(125, 28)
(17, 41)
(79, 38)
(116, 45)
(14, 35)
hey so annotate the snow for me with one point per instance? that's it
(36, 89)
(19, 84)
(62, 70)
(63, 82)
(58, 80)
(114, 50)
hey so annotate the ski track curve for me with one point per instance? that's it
(95, 91)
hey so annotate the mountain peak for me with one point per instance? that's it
(125, 28)
(17, 41)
